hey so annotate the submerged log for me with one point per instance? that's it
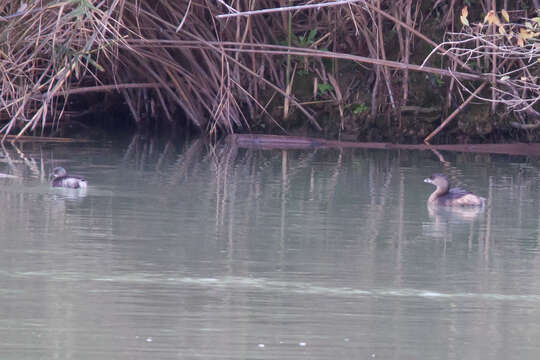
(48, 139)
(275, 141)
(270, 142)
(279, 142)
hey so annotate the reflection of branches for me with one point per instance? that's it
(439, 156)
(333, 180)
(184, 162)
(8, 158)
(31, 163)
(223, 166)
(15, 158)
(376, 216)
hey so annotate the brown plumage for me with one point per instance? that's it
(446, 196)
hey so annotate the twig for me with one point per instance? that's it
(525, 126)
(453, 115)
(287, 8)
(104, 88)
(337, 3)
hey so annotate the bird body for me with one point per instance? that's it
(60, 178)
(446, 196)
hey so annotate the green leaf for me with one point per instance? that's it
(359, 108)
(311, 36)
(324, 88)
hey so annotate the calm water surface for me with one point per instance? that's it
(187, 251)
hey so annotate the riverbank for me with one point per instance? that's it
(405, 72)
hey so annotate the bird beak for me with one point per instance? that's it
(427, 180)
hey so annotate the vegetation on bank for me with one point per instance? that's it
(357, 70)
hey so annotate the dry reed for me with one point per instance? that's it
(221, 64)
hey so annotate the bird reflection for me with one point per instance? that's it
(445, 219)
(69, 194)
(461, 213)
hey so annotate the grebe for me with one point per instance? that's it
(445, 196)
(62, 179)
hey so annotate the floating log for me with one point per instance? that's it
(276, 142)
(28, 138)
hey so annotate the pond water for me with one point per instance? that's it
(192, 251)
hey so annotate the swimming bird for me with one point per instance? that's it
(446, 196)
(60, 178)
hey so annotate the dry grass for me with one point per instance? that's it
(47, 48)
(197, 58)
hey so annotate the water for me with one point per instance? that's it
(191, 251)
